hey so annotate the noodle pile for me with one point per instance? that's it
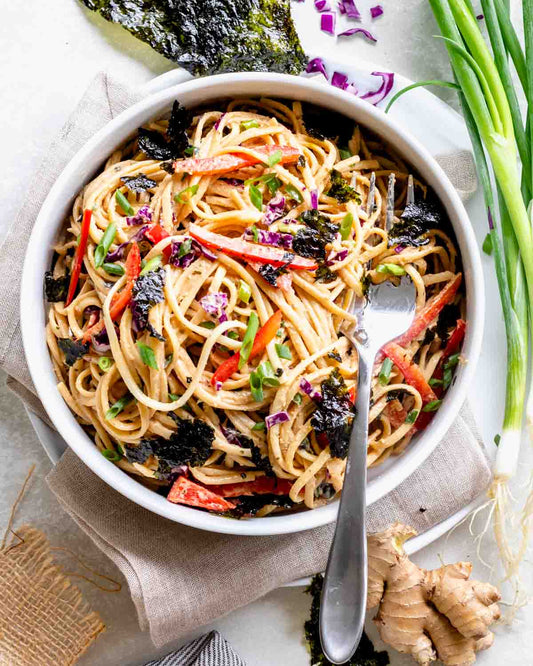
(192, 343)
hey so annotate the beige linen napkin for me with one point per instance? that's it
(181, 578)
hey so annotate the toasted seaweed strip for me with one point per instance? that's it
(212, 36)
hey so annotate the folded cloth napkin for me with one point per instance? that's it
(208, 574)
(208, 650)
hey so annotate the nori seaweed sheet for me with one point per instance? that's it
(212, 36)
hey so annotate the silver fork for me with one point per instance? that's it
(386, 313)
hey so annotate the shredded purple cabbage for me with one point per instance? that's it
(275, 238)
(322, 6)
(232, 436)
(234, 182)
(314, 199)
(101, 342)
(376, 11)
(196, 251)
(339, 80)
(215, 304)
(348, 7)
(118, 252)
(307, 388)
(337, 256)
(275, 209)
(327, 22)
(316, 65)
(353, 31)
(275, 419)
(377, 96)
(143, 215)
(399, 248)
(217, 124)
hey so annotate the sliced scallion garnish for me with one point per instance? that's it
(294, 193)
(147, 355)
(283, 351)
(245, 291)
(118, 406)
(256, 197)
(152, 264)
(432, 406)
(105, 243)
(346, 226)
(412, 416)
(248, 124)
(113, 269)
(190, 191)
(248, 340)
(124, 203)
(105, 363)
(384, 373)
(390, 269)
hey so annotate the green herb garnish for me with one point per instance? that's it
(256, 197)
(412, 416)
(263, 376)
(432, 406)
(173, 397)
(147, 355)
(260, 425)
(346, 226)
(118, 406)
(248, 340)
(111, 455)
(298, 399)
(124, 203)
(208, 324)
(113, 269)
(273, 159)
(153, 264)
(384, 374)
(248, 124)
(105, 363)
(105, 243)
(294, 193)
(245, 291)
(191, 191)
(390, 269)
(283, 351)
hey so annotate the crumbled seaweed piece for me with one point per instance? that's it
(416, 220)
(56, 289)
(271, 274)
(325, 491)
(213, 36)
(139, 453)
(260, 461)
(178, 124)
(319, 231)
(365, 655)
(190, 445)
(324, 274)
(154, 333)
(73, 350)
(447, 320)
(335, 356)
(340, 190)
(334, 414)
(147, 291)
(325, 124)
(154, 145)
(428, 337)
(250, 505)
(394, 395)
(168, 166)
(139, 183)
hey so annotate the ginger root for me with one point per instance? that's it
(428, 614)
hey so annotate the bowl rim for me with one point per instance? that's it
(82, 167)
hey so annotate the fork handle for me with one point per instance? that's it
(343, 605)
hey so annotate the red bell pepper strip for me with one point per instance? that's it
(220, 164)
(187, 492)
(78, 256)
(155, 234)
(264, 485)
(237, 247)
(410, 371)
(430, 311)
(120, 301)
(452, 347)
(264, 335)
(352, 393)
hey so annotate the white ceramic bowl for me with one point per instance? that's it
(83, 167)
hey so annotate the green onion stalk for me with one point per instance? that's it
(492, 115)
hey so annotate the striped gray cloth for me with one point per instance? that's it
(208, 650)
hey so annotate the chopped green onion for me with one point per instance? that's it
(346, 226)
(113, 269)
(185, 247)
(344, 153)
(294, 193)
(119, 405)
(255, 233)
(283, 351)
(124, 203)
(384, 374)
(256, 197)
(245, 291)
(173, 397)
(168, 359)
(435, 382)
(447, 377)
(191, 191)
(273, 159)
(208, 324)
(152, 264)
(272, 182)
(260, 425)
(453, 360)
(256, 387)
(189, 151)
(105, 363)
(298, 399)
(487, 245)
(248, 340)
(412, 416)
(233, 335)
(105, 243)
(432, 406)
(248, 124)
(390, 269)
(147, 355)
(111, 455)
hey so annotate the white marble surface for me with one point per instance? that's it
(50, 52)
